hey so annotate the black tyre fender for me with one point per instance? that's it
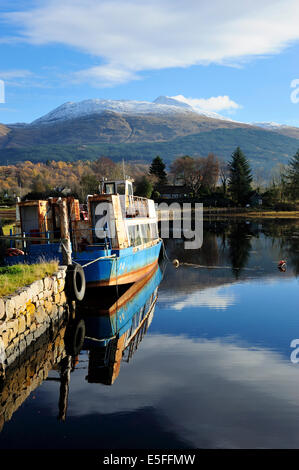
(75, 282)
(74, 337)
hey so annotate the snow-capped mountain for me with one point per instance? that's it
(172, 102)
(162, 105)
(72, 110)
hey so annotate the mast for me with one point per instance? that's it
(124, 173)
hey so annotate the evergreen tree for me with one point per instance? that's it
(240, 177)
(144, 188)
(293, 176)
(157, 168)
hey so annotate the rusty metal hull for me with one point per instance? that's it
(129, 265)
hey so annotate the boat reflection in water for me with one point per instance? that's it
(116, 326)
(109, 328)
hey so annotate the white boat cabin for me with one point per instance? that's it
(133, 218)
(129, 221)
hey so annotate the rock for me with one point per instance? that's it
(5, 338)
(3, 326)
(48, 283)
(55, 286)
(36, 288)
(22, 346)
(61, 284)
(28, 317)
(2, 309)
(13, 325)
(20, 301)
(54, 310)
(22, 324)
(40, 315)
(62, 298)
(48, 306)
(9, 307)
(30, 308)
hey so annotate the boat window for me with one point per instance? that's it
(146, 233)
(121, 188)
(138, 239)
(154, 229)
(110, 188)
(135, 235)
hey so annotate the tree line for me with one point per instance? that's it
(234, 180)
(202, 177)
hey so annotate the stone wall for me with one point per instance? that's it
(26, 314)
(31, 368)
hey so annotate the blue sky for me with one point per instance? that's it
(236, 59)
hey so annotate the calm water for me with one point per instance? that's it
(213, 369)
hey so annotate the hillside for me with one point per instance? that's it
(263, 149)
(142, 130)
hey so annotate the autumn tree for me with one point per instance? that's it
(103, 167)
(196, 173)
(187, 170)
(209, 168)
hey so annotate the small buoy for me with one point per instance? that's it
(176, 263)
(282, 265)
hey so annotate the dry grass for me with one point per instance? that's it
(235, 212)
(262, 215)
(20, 275)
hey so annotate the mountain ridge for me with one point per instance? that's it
(172, 131)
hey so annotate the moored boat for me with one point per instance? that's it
(116, 327)
(118, 243)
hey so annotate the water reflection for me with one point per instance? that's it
(111, 332)
(114, 332)
(235, 250)
(214, 369)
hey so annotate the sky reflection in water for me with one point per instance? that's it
(214, 369)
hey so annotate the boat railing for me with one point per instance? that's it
(87, 236)
(135, 206)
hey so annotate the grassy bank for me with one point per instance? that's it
(19, 275)
(239, 213)
(255, 213)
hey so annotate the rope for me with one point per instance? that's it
(94, 260)
(218, 267)
(165, 256)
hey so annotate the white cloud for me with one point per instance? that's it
(214, 104)
(209, 393)
(219, 298)
(12, 74)
(131, 36)
(104, 75)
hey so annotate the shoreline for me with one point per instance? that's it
(263, 214)
(239, 213)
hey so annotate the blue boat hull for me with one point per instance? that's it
(117, 266)
(105, 325)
